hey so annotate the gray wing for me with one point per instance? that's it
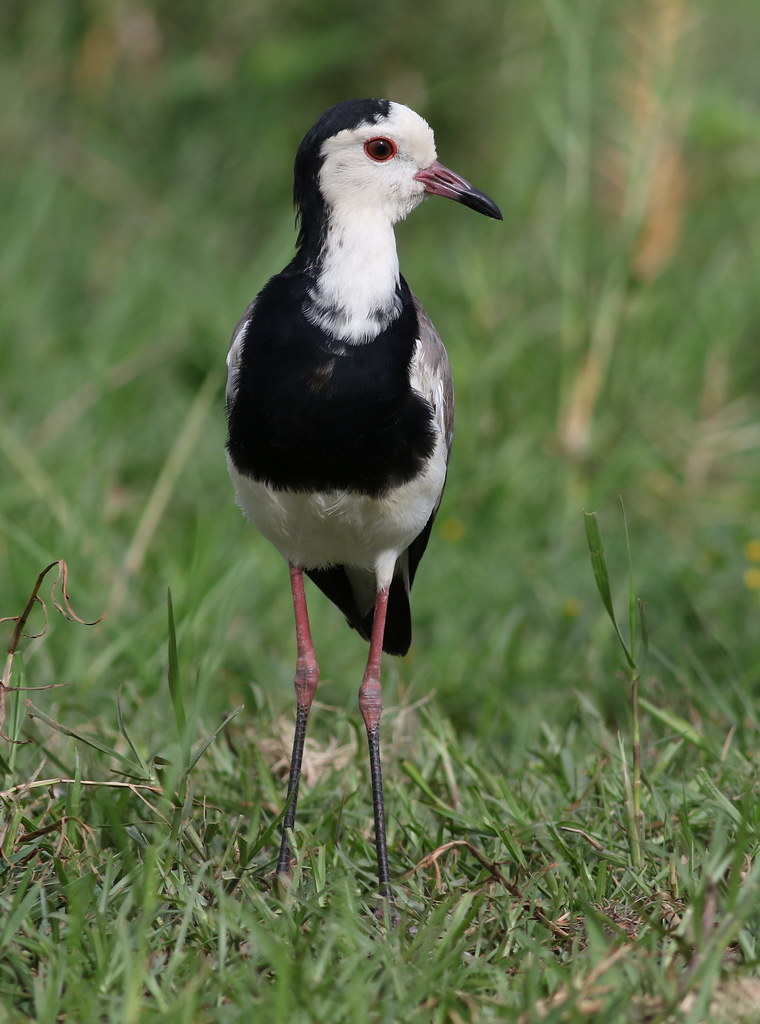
(431, 375)
(235, 355)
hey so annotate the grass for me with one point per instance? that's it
(573, 814)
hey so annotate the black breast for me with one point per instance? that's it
(306, 417)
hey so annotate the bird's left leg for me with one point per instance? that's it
(306, 679)
(371, 705)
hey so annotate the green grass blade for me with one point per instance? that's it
(125, 733)
(602, 577)
(643, 629)
(173, 673)
(132, 768)
(709, 788)
(207, 743)
(675, 722)
(632, 604)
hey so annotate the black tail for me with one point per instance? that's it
(335, 584)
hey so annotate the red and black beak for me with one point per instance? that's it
(440, 181)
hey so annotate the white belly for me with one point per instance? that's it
(317, 530)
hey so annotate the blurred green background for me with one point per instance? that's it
(603, 339)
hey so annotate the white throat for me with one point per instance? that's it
(355, 295)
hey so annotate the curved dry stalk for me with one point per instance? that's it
(62, 604)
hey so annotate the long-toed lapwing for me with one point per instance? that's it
(340, 401)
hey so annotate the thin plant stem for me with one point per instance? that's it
(638, 814)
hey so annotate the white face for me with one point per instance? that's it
(358, 172)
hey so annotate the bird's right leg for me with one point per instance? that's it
(307, 677)
(371, 706)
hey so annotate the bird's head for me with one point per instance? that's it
(372, 155)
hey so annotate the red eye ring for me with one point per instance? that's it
(380, 149)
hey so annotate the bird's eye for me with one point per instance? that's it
(380, 149)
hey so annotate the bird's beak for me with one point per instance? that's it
(440, 181)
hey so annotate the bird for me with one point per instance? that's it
(340, 404)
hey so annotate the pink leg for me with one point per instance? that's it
(371, 705)
(306, 679)
(370, 693)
